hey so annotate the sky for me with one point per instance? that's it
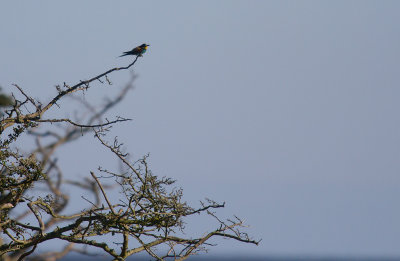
(285, 110)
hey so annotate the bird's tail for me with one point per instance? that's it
(123, 54)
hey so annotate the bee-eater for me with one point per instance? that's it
(141, 49)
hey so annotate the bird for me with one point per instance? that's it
(139, 50)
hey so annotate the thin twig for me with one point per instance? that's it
(104, 193)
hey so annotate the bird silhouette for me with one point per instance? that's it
(139, 50)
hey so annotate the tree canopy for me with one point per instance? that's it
(150, 217)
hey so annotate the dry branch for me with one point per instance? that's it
(148, 214)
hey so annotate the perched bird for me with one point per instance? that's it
(141, 49)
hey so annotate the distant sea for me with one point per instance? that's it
(73, 257)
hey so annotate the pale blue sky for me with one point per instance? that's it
(286, 110)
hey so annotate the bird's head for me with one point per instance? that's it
(144, 46)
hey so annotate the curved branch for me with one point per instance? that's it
(83, 125)
(40, 111)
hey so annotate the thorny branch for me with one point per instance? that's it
(15, 116)
(149, 214)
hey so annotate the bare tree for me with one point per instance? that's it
(148, 218)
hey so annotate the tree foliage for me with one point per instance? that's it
(149, 218)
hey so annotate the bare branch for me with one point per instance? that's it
(149, 214)
(34, 117)
(104, 193)
(119, 119)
